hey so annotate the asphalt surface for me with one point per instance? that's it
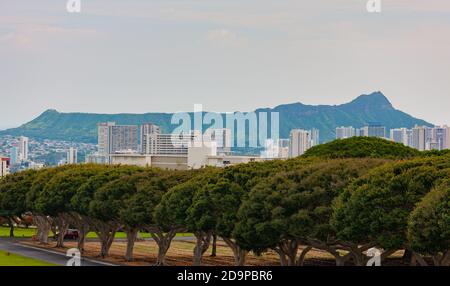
(14, 246)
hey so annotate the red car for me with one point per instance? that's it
(70, 234)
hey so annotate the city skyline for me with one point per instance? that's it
(173, 54)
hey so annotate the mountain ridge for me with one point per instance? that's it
(374, 107)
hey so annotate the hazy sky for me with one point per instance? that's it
(165, 55)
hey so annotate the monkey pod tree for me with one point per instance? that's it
(171, 214)
(85, 193)
(294, 208)
(138, 211)
(43, 221)
(429, 226)
(55, 198)
(376, 208)
(105, 210)
(214, 210)
(13, 191)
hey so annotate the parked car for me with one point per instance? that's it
(70, 234)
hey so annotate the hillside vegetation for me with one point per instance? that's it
(363, 147)
(82, 127)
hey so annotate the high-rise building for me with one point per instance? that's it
(447, 136)
(23, 148)
(374, 129)
(345, 132)
(315, 137)
(14, 155)
(114, 138)
(169, 144)
(400, 135)
(359, 132)
(72, 156)
(420, 137)
(300, 142)
(123, 138)
(146, 129)
(4, 166)
(439, 137)
(103, 137)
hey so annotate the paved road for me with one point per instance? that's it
(13, 246)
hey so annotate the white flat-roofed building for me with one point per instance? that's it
(171, 162)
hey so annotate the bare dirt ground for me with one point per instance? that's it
(180, 254)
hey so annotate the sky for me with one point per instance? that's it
(139, 56)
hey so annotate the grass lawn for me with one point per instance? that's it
(29, 232)
(9, 259)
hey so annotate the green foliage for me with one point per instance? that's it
(296, 204)
(85, 193)
(58, 191)
(362, 147)
(429, 223)
(172, 212)
(377, 206)
(13, 192)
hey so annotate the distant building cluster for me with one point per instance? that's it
(18, 158)
(372, 129)
(422, 138)
(146, 145)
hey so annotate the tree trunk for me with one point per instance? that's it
(446, 259)
(214, 246)
(418, 259)
(44, 225)
(301, 259)
(81, 224)
(62, 226)
(163, 241)
(106, 240)
(131, 238)
(289, 248)
(283, 260)
(81, 239)
(332, 249)
(239, 254)
(11, 227)
(201, 246)
(407, 256)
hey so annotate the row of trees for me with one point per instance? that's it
(343, 206)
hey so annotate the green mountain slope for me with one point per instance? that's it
(81, 127)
